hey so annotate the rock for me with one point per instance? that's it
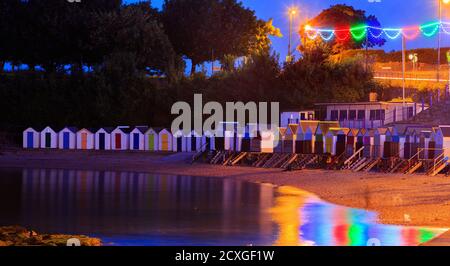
(20, 236)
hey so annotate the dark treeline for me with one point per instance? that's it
(100, 62)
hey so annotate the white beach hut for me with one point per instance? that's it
(103, 138)
(120, 138)
(85, 139)
(137, 138)
(30, 138)
(67, 138)
(49, 138)
(151, 140)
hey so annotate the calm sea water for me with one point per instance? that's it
(125, 208)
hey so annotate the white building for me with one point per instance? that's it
(369, 115)
(294, 117)
(67, 138)
(30, 138)
(49, 138)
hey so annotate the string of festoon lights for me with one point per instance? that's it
(360, 32)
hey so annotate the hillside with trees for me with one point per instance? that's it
(101, 62)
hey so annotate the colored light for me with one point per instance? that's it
(361, 31)
(358, 32)
(430, 29)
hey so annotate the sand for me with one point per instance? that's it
(415, 200)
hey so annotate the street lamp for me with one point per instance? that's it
(440, 2)
(414, 59)
(293, 12)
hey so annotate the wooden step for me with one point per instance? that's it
(438, 169)
(363, 165)
(359, 163)
(414, 168)
(290, 161)
(372, 165)
(238, 158)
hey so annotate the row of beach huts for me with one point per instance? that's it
(355, 147)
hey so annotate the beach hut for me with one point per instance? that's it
(31, 138)
(246, 139)
(299, 140)
(196, 141)
(178, 142)
(67, 138)
(319, 140)
(379, 140)
(165, 140)
(151, 140)
(360, 139)
(308, 142)
(86, 139)
(341, 140)
(290, 138)
(351, 141)
(209, 141)
(137, 138)
(268, 140)
(49, 138)
(330, 141)
(120, 138)
(368, 143)
(102, 138)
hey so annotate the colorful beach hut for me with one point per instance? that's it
(360, 139)
(330, 141)
(341, 140)
(137, 138)
(120, 138)
(165, 140)
(209, 141)
(196, 141)
(351, 141)
(151, 140)
(379, 140)
(102, 138)
(67, 138)
(268, 141)
(86, 139)
(368, 143)
(31, 138)
(49, 138)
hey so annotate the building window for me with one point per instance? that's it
(377, 114)
(334, 115)
(410, 112)
(352, 115)
(302, 116)
(343, 115)
(293, 121)
(361, 115)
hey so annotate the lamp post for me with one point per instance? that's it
(292, 12)
(440, 2)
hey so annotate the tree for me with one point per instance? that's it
(207, 30)
(342, 17)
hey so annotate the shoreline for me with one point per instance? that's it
(412, 200)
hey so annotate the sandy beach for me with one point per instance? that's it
(416, 200)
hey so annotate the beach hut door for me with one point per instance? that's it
(136, 141)
(151, 142)
(30, 140)
(84, 141)
(179, 144)
(165, 142)
(48, 138)
(66, 140)
(101, 137)
(118, 140)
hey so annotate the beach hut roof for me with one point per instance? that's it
(71, 129)
(108, 129)
(34, 129)
(369, 133)
(324, 127)
(361, 132)
(353, 132)
(124, 129)
(445, 131)
(142, 129)
(90, 130)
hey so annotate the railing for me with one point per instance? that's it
(199, 153)
(356, 154)
(441, 159)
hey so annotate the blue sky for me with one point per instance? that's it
(391, 13)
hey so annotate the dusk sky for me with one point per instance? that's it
(391, 13)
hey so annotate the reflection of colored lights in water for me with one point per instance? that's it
(324, 224)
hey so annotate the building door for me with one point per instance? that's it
(66, 140)
(118, 140)
(151, 142)
(193, 143)
(30, 140)
(165, 142)
(48, 140)
(84, 141)
(136, 141)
